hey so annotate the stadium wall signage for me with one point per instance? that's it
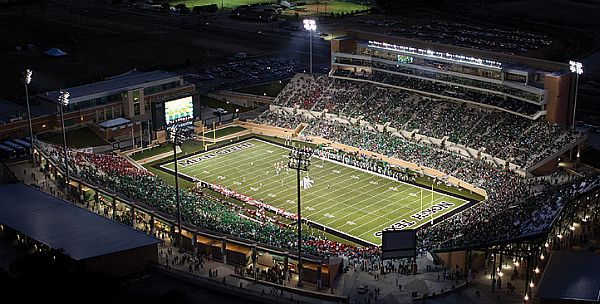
(193, 160)
(421, 215)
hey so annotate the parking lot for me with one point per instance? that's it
(466, 35)
(243, 72)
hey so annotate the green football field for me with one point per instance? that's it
(352, 201)
(225, 3)
(311, 6)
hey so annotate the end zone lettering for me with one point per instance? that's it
(397, 226)
(431, 210)
(418, 216)
(193, 160)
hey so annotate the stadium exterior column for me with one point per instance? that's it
(195, 242)
(319, 282)
(132, 214)
(152, 226)
(224, 249)
(467, 265)
(172, 231)
(381, 268)
(114, 206)
(528, 271)
(255, 261)
(80, 192)
(494, 272)
(286, 268)
(96, 199)
(500, 265)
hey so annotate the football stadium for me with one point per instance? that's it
(409, 158)
(338, 194)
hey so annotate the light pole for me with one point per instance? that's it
(175, 140)
(310, 25)
(26, 80)
(299, 160)
(577, 68)
(63, 101)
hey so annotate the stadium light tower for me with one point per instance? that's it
(311, 26)
(174, 134)
(63, 102)
(26, 80)
(299, 160)
(577, 68)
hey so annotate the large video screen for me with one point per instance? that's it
(179, 110)
(398, 244)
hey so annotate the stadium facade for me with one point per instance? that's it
(130, 95)
(527, 87)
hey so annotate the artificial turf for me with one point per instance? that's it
(350, 200)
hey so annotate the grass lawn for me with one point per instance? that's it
(226, 3)
(323, 6)
(224, 132)
(271, 89)
(326, 7)
(344, 198)
(79, 138)
(151, 152)
(188, 147)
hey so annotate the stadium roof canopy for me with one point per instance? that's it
(120, 83)
(573, 276)
(61, 225)
(115, 122)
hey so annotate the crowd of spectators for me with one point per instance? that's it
(138, 185)
(453, 91)
(515, 206)
(432, 73)
(520, 140)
